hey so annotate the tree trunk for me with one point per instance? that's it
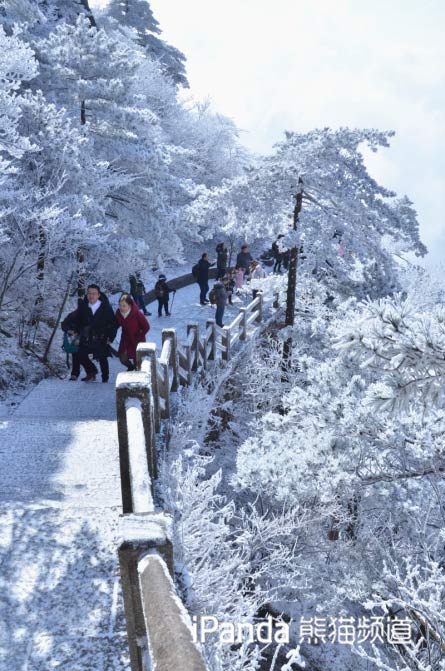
(40, 269)
(80, 274)
(89, 13)
(292, 278)
(51, 338)
(5, 286)
(231, 247)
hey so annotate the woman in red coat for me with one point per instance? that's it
(134, 327)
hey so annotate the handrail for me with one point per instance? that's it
(139, 474)
(153, 611)
(166, 618)
(166, 352)
(131, 388)
(238, 319)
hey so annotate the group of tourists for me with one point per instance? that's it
(92, 327)
(162, 292)
(228, 281)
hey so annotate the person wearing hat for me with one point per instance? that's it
(163, 291)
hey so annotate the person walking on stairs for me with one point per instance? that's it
(220, 300)
(134, 329)
(137, 290)
(163, 291)
(96, 326)
(202, 277)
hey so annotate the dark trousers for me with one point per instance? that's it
(123, 357)
(75, 364)
(277, 265)
(204, 287)
(89, 366)
(221, 272)
(219, 314)
(162, 303)
(139, 300)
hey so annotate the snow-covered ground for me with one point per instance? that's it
(187, 309)
(60, 499)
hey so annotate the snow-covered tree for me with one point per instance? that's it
(406, 342)
(17, 65)
(341, 202)
(137, 18)
(39, 17)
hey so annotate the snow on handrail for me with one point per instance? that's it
(166, 618)
(236, 322)
(166, 351)
(139, 475)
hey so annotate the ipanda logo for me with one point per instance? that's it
(267, 631)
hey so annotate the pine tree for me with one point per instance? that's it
(137, 16)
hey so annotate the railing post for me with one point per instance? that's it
(171, 333)
(202, 344)
(134, 385)
(226, 353)
(147, 351)
(276, 300)
(165, 411)
(243, 335)
(188, 354)
(212, 353)
(140, 534)
(194, 327)
(260, 307)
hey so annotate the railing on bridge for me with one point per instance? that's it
(158, 625)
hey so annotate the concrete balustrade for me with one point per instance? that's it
(139, 535)
(134, 387)
(146, 362)
(167, 622)
(157, 623)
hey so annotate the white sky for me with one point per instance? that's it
(295, 65)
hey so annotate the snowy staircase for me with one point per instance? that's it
(60, 502)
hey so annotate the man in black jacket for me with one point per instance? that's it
(203, 277)
(243, 260)
(97, 328)
(221, 260)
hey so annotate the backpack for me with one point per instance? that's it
(70, 343)
(140, 289)
(161, 289)
(212, 296)
(195, 271)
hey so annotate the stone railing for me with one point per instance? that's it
(158, 625)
